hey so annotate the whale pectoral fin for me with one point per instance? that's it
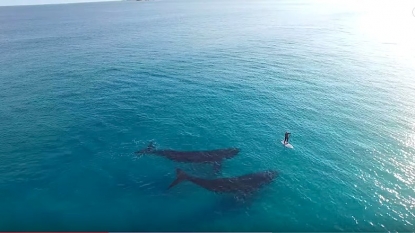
(217, 166)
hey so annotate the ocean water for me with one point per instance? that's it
(83, 86)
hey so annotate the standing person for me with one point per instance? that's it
(286, 137)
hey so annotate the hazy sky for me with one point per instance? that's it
(36, 2)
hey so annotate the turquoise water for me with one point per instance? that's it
(83, 86)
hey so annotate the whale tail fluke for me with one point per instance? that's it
(150, 148)
(180, 176)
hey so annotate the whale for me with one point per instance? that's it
(214, 157)
(245, 184)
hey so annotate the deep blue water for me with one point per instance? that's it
(83, 86)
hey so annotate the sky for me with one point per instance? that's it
(37, 2)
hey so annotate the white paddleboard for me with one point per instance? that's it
(288, 145)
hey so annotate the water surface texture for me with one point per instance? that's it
(83, 86)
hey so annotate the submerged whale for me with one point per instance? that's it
(245, 184)
(207, 156)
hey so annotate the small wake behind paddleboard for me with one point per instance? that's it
(288, 145)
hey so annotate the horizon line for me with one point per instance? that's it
(59, 3)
